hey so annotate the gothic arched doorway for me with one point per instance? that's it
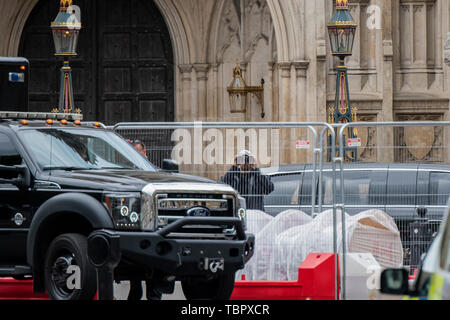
(125, 67)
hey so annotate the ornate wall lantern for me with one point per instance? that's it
(66, 29)
(238, 92)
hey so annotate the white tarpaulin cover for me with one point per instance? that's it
(266, 228)
(284, 242)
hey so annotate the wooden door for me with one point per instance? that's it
(124, 71)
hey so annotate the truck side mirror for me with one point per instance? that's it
(395, 281)
(15, 175)
(170, 166)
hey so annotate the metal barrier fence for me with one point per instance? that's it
(210, 149)
(410, 182)
(310, 176)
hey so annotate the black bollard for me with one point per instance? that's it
(105, 282)
(104, 254)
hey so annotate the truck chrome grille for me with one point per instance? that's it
(178, 205)
(171, 204)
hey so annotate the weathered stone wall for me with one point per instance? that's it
(397, 71)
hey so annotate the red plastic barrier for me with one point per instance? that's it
(413, 277)
(11, 289)
(315, 282)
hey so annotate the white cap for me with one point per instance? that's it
(244, 153)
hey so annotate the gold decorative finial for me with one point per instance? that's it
(65, 4)
(237, 72)
(341, 4)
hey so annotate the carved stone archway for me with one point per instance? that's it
(20, 12)
(288, 20)
(183, 44)
(182, 47)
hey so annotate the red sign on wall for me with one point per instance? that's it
(300, 144)
(354, 142)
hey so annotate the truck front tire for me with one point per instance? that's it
(68, 274)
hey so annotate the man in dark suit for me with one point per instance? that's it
(246, 178)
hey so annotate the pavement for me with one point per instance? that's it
(121, 291)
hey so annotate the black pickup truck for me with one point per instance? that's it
(77, 197)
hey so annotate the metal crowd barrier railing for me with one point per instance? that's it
(292, 141)
(424, 143)
(325, 149)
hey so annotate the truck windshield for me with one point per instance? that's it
(81, 149)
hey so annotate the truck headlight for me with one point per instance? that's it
(242, 211)
(125, 209)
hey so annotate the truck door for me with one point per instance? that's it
(15, 211)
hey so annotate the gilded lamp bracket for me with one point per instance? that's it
(238, 92)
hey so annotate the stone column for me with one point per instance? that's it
(215, 94)
(200, 114)
(301, 107)
(420, 34)
(383, 44)
(374, 37)
(202, 78)
(301, 67)
(318, 14)
(447, 73)
(385, 136)
(285, 111)
(440, 38)
(270, 94)
(186, 83)
(275, 93)
(215, 114)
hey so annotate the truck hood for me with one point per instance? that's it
(120, 180)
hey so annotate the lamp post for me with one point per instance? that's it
(342, 30)
(66, 29)
(238, 92)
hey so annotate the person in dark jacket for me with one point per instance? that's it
(246, 178)
(136, 291)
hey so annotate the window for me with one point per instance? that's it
(401, 189)
(327, 187)
(306, 190)
(361, 187)
(67, 149)
(357, 186)
(439, 188)
(286, 192)
(8, 152)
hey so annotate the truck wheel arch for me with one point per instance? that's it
(68, 212)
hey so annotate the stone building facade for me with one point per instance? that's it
(398, 70)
